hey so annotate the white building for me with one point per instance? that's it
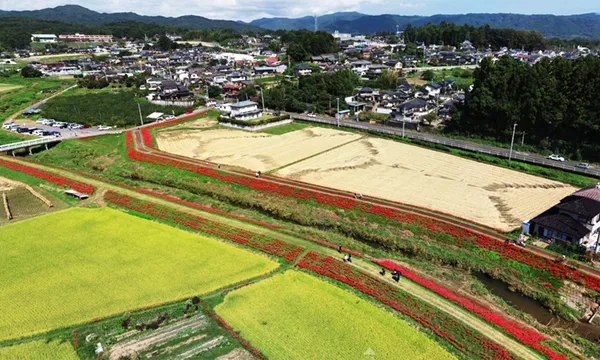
(44, 38)
(245, 110)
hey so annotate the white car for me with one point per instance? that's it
(104, 127)
(556, 157)
(38, 133)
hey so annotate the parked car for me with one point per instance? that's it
(58, 124)
(7, 126)
(104, 127)
(583, 166)
(38, 132)
(556, 157)
(189, 111)
(22, 130)
(54, 133)
(86, 126)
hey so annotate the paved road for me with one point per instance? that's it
(459, 144)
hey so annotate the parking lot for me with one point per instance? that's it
(64, 133)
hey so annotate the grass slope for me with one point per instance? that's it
(296, 316)
(72, 266)
(39, 350)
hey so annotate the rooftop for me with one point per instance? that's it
(243, 104)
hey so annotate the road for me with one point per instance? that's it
(459, 144)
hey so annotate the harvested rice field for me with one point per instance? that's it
(487, 194)
(256, 151)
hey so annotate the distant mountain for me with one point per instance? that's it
(75, 14)
(568, 26)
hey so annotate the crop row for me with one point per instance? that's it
(525, 335)
(46, 176)
(261, 242)
(445, 326)
(461, 236)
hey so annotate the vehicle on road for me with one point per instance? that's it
(583, 166)
(104, 127)
(86, 126)
(556, 157)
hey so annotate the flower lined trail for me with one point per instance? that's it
(525, 335)
(463, 236)
(260, 242)
(459, 335)
(40, 174)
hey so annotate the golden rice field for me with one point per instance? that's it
(72, 266)
(39, 350)
(487, 194)
(297, 316)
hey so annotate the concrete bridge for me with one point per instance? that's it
(28, 144)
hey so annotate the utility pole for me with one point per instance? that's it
(523, 139)
(403, 126)
(140, 110)
(262, 96)
(512, 142)
(337, 115)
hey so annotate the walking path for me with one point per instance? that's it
(476, 228)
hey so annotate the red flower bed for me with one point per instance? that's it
(147, 138)
(55, 179)
(264, 243)
(232, 332)
(461, 236)
(525, 335)
(447, 327)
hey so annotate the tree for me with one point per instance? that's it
(30, 72)
(430, 118)
(247, 92)
(164, 43)
(428, 75)
(214, 91)
(297, 52)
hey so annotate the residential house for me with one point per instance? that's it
(244, 110)
(575, 219)
(302, 70)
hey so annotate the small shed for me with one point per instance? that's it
(76, 194)
(155, 116)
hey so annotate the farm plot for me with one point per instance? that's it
(23, 204)
(41, 350)
(79, 264)
(296, 316)
(257, 151)
(486, 194)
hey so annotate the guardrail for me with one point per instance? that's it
(29, 143)
(458, 144)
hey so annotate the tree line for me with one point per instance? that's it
(481, 37)
(554, 102)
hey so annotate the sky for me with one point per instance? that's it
(247, 10)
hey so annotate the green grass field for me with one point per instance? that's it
(7, 137)
(39, 350)
(32, 91)
(79, 264)
(297, 316)
(284, 129)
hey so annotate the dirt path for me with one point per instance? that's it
(422, 293)
(15, 115)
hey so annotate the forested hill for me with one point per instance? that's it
(570, 26)
(75, 14)
(554, 102)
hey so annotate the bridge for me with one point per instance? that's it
(28, 144)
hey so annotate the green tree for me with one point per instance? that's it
(428, 75)
(30, 72)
